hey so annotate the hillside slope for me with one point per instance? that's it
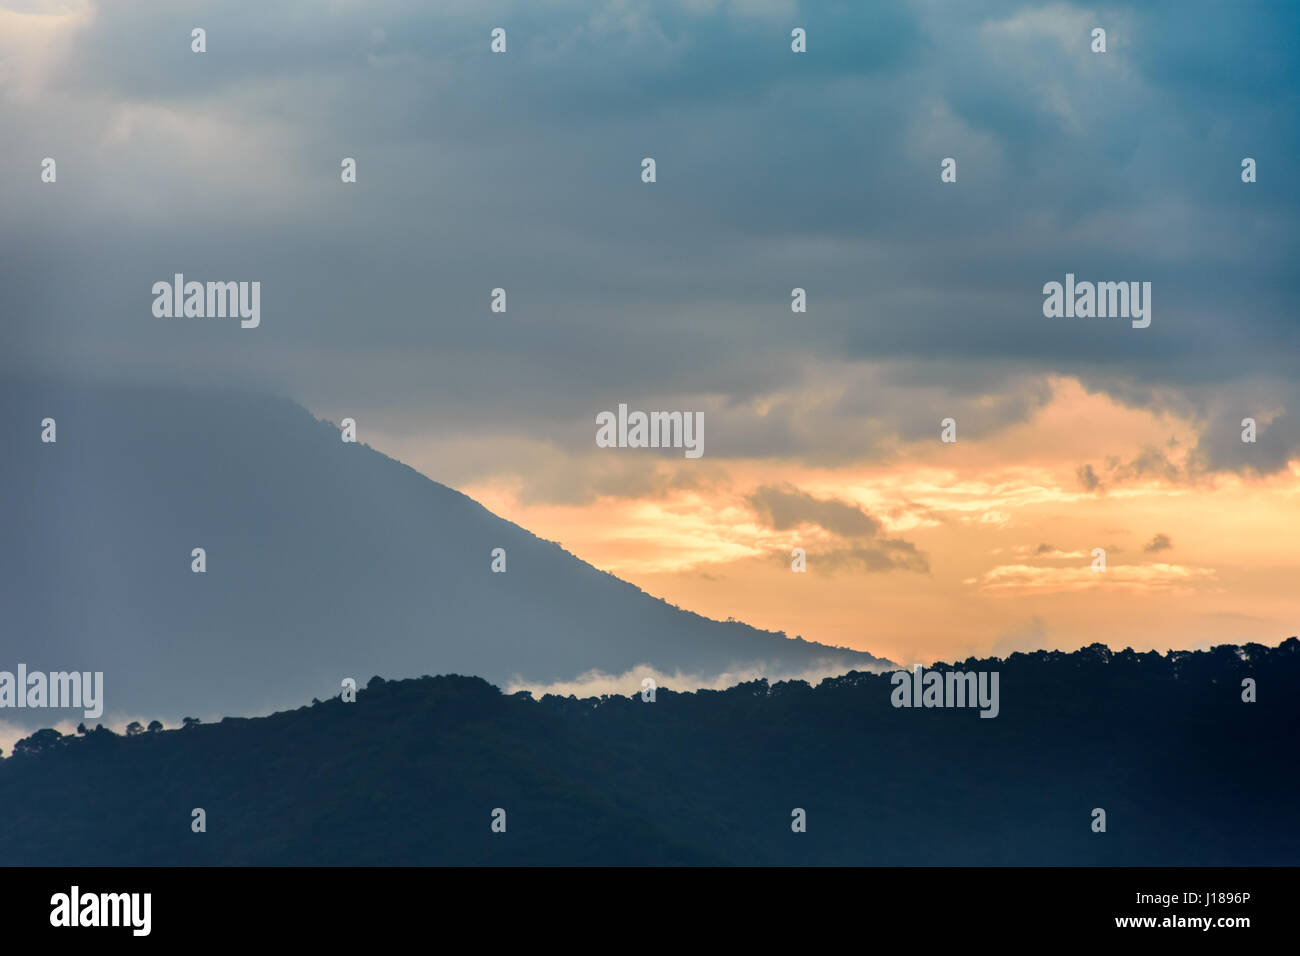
(324, 560)
(410, 773)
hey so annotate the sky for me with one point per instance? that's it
(775, 170)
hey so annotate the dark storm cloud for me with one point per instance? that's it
(775, 170)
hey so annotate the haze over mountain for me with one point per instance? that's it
(324, 560)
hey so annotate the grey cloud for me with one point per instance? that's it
(1277, 441)
(1159, 543)
(521, 171)
(785, 507)
(1150, 462)
(883, 555)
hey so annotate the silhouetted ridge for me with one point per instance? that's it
(1188, 773)
(324, 560)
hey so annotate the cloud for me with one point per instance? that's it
(1152, 463)
(924, 302)
(1277, 439)
(1026, 579)
(596, 683)
(1160, 542)
(892, 554)
(785, 507)
(1047, 552)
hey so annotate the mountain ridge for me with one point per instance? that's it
(324, 560)
(413, 770)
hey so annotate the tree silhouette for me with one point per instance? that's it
(155, 726)
(134, 728)
(39, 742)
(1075, 724)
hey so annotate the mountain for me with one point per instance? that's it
(1187, 772)
(325, 560)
